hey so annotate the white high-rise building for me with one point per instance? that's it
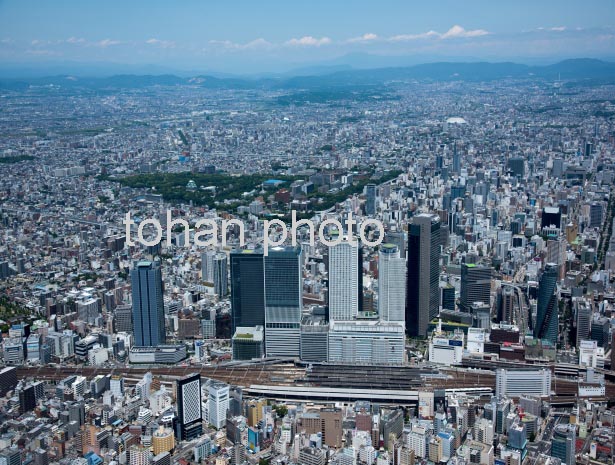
(484, 431)
(140, 455)
(218, 403)
(344, 281)
(391, 284)
(207, 266)
(117, 386)
(417, 441)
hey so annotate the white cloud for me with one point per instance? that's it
(107, 43)
(454, 32)
(308, 41)
(259, 43)
(75, 40)
(368, 37)
(458, 31)
(160, 43)
(42, 52)
(558, 28)
(408, 37)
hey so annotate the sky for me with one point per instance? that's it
(256, 36)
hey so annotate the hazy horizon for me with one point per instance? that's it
(241, 37)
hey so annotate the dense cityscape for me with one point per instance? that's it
(466, 317)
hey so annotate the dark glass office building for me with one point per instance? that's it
(370, 199)
(147, 304)
(247, 288)
(547, 318)
(283, 301)
(475, 285)
(423, 290)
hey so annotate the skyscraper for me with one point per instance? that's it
(391, 284)
(456, 160)
(247, 288)
(547, 318)
(475, 285)
(344, 283)
(583, 313)
(218, 403)
(422, 291)
(563, 444)
(370, 203)
(283, 301)
(220, 275)
(147, 304)
(207, 266)
(506, 304)
(189, 412)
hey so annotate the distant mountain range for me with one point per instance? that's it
(574, 69)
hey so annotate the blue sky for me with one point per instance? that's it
(244, 36)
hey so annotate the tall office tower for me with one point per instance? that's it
(588, 148)
(563, 444)
(207, 266)
(547, 318)
(551, 216)
(583, 314)
(361, 296)
(147, 304)
(370, 203)
(517, 166)
(247, 288)
(344, 285)
(422, 291)
(448, 297)
(596, 215)
(456, 160)
(220, 275)
(283, 302)
(391, 284)
(189, 412)
(396, 237)
(218, 403)
(506, 304)
(475, 285)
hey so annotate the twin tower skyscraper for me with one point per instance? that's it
(267, 290)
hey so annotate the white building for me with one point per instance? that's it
(417, 441)
(79, 385)
(520, 382)
(344, 281)
(367, 341)
(588, 354)
(446, 349)
(98, 356)
(484, 431)
(218, 401)
(476, 340)
(117, 386)
(391, 284)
